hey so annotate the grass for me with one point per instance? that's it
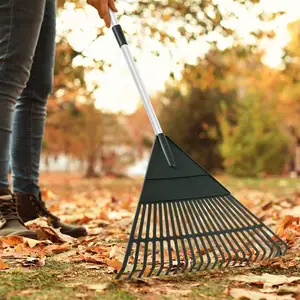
(276, 185)
(56, 280)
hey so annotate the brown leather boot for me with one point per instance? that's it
(10, 222)
(30, 207)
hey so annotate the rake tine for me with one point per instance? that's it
(161, 240)
(181, 238)
(168, 239)
(198, 202)
(200, 237)
(146, 241)
(279, 252)
(187, 234)
(258, 220)
(129, 247)
(136, 257)
(175, 238)
(193, 203)
(211, 216)
(154, 241)
(184, 206)
(232, 218)
(222, 218)
(222, 227)
(248, 219)
(240, 217)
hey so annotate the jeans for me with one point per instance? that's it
(27, 47)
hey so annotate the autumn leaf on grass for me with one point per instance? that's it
(57, 248)
(114, 264)
(100, 287)
(289, 228)
(34, 262)
(267, 280)
(117, 252)
(104, 213)
(286, 222)
(3, 265)
(32, 243)
(10, 241)
(89, 258)
(46, 232)
(254, 295)
(116, 256)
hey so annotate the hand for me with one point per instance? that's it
(102, 7)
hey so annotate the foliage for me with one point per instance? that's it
(192, 106)
(289, 103)
(254, 146)
(191, 19)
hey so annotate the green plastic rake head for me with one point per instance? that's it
(185, 219)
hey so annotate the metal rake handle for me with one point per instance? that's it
(118, 32)
(134, 72)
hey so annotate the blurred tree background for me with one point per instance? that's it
(228, 109)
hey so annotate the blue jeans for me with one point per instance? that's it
(27, 47)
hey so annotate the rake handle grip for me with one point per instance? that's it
(120, 37)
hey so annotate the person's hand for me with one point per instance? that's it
(102, 7)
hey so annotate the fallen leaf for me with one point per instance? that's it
(11, 241)
(32, 243)
(3, 265)
(117, 252)
(100, 287)
(253, 295)
(114, 263)
(267, 280)
(34, 262)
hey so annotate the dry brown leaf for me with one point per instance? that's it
(100, 287)
(117, 252)
(267, 280)
(116, 264)
(57, 248)
(104, 214)
(32, 243)
(11, 241)
(253, 295)
(3, 265)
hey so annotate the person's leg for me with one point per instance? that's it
(19, 30)
(30, 115)
(28, 130)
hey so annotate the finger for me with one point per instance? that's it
(104, 12)
(103, 8)
(112, 5)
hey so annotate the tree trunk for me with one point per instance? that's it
(90, 172)
(297, 157)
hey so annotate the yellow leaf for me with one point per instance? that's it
(3, 265)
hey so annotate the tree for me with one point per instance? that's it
(256, 144)
(290, 94)
(192, 106)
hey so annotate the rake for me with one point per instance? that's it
(185, 219)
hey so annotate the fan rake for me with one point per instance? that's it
(185, 219)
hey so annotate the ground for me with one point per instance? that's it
(61, 268)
